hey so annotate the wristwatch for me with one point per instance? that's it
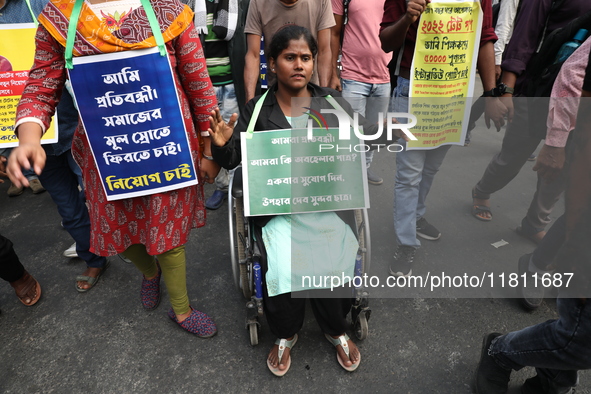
(502, 89)
(498, 91)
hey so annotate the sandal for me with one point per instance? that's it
(283, 344)
(91, 280)
(343, 341)
(197, 323)
(24, 286)
(478, 210)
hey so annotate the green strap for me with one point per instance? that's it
(154, 26)
(74, 22)
(255, 116)
(72, 33)
(32, 13)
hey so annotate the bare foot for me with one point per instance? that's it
(354, 354)
(274, 357)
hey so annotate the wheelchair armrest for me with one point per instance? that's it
(237, 183)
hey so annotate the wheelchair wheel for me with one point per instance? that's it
(253, 330)
(241, 234)
(361, 222)
(361, 328)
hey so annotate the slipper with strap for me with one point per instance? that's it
(24, 287)
(91, 280)
(343, 341)
(283, 344)
(478, 210)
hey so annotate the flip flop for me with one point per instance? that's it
(89, 279)
(342, 340)
(478, 209)
(283, 344)
(24, 285)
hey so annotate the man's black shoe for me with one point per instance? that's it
(490, 377)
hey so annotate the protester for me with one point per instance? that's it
(27, 289)
(416, 169)
(221, 26)
(135, 226)
(291, 57)
(556, 348)
(562, 117)
(366, 85)
(61, 175)
(534, 21)
(266, 17)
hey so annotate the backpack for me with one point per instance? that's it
(542, 71)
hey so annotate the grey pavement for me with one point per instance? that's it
(104, 342)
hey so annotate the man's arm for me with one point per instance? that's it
(392, 37)
(335, 48)
(324, 57)
(252, 62)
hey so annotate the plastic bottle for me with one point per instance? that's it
(569, 47)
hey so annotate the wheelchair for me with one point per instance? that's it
(246, 262)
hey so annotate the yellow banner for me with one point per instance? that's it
(443, 72)
(17, 51)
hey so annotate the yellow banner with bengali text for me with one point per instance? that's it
(17, 51)
(443, 72)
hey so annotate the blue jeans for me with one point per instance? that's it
(228, 103)
(415, 171)
(556, 348)
(61, 178)
(547, 249)
(357, 94)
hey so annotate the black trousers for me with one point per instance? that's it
(11, 268)
(285, 313)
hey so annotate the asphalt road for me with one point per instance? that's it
(104, 342)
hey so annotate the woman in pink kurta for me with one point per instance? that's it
(142, 227)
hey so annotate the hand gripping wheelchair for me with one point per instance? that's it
(246, 257)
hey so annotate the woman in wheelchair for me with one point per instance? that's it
(298, 239)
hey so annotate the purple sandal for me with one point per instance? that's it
(150, 293)
(197, 323)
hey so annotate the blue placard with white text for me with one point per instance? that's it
(132, 117)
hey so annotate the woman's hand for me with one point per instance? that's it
(220, 131)
(27, 155)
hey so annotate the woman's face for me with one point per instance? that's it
(294, 65)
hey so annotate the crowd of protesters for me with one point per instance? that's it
(360, 51)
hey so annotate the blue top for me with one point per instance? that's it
(17, 11)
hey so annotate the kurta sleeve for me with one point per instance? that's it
(193, 74)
